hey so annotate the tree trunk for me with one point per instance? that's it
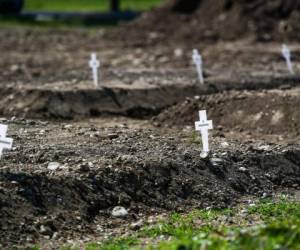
(11, 6)
(115, 5)
(185, 6)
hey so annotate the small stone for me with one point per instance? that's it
(42, 229)
(53, 166)
(242, 169)
(119, 212)
(178, 52)
(15, 68)
(224, 144)
(45, 230)
(264, 147)
(67, 126)
(55, 235)
(99, 228)
(152, 137)
(42, 132)
(216, 161)
(136, 225)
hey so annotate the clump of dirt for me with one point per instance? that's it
(139, 169)
(199, 20)
(273, 112)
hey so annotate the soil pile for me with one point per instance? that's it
(197, 20)
(132, 168)
(273, 112)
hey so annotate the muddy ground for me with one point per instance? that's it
(149, 164)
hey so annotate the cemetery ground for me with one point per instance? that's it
(80, 152)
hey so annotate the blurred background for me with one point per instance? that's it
(98, 10)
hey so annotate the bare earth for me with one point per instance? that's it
(132, 141)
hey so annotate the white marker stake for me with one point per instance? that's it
(203, 126)
(94, 65)
(287, 55)
(197, 59)
(5, 143)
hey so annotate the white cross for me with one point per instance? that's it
(203, 126)
(5, 143)
(94, 65)
(287, 55)
(197, 59)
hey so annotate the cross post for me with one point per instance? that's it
(203, 125)
(197, 59)
(5, 143)
(94, 65)
(287, 55)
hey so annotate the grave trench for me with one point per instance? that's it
(284, 161)
(139, 96)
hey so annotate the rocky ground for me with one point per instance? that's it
(78, 153)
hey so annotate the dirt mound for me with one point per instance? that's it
(272, 112)
(139, 94)
(193, 21)
(102, 168)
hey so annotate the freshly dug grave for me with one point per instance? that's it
(194, 21)
(135, 93)
(42, 55)
(143, 170)
(36, 56)
(260, 113)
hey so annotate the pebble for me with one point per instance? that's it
(264, 147)
(216, 161)
(242, 169)
(53, 166)
(224, 144)
(99, 228)
(136, 225)
(178, 52)
(67, 126)
(119, 212)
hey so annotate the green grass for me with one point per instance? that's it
(73, 5)
(266, 226)
(269, 225)
(87, 5)
(195, 138)
(115, 244)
